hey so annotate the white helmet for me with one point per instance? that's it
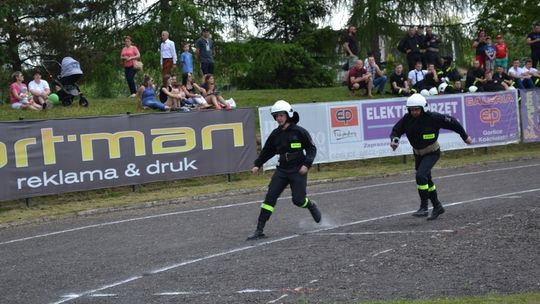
(511, 88)
(473, 89)
(442, 87)
(433, 91)
(424, 92)
(417, 100)
(282, 106)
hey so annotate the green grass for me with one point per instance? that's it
(525, 298)
(100, 107)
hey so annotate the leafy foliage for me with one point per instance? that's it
(264, 64)
(297, 51)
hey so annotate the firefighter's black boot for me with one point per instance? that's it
(437, 206)
(258, 234)
(423, 210)
(315, 213)
(264, 216)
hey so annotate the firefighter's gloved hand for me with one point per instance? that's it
(394, 143)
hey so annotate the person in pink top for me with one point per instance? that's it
(128, 54)
(18, 94)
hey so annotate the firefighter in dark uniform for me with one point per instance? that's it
(289, 141)
(422, 130)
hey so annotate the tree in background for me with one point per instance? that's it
(91, 31)
(513, 19)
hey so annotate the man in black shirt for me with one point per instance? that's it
(431, 42)
(501, 77)
(533, 40)
(350, 45)
(475, 76)
(491, 84)
(399, 83)
(411, 46)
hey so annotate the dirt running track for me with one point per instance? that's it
(367, 247)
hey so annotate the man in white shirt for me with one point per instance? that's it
(167, 53)
(39, 89)
(377, 75)
(519, 75)
(416, 77)
(531, 73)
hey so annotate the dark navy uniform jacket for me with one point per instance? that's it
(424, 130)
(290, 144)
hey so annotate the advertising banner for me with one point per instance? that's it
(492, 118)
(55, 156)
(530, 124)
(360, 129)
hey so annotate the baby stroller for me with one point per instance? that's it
(66, 84)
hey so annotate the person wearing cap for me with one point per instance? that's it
(501, 53)
(421, 127)
(296, 152)
(205, 49)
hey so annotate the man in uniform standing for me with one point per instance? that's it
(422, 129)
(533, 40)
(410, 45)
(289, 141)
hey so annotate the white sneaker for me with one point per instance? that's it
(132, 95)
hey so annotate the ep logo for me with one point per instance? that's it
(344, 117)
(490, 116)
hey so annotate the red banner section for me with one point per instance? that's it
(56, 156)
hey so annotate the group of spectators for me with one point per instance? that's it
(35, 96)
(172, 94)
(430, 74)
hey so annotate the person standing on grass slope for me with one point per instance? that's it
(205, 52)
(167, 54)
(422, 129)
(296, 152)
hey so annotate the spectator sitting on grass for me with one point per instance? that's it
(377, 75)
(359, 78)
(212, 96)
(18, 94)
(40, 90)
(166, 87)
(147, 95)
(189, 88)
(501, 77)
(399, 83)
(176, 97)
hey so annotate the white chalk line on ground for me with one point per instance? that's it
(246, 203)
(382, 252)
(73, 296)
(385, 232)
